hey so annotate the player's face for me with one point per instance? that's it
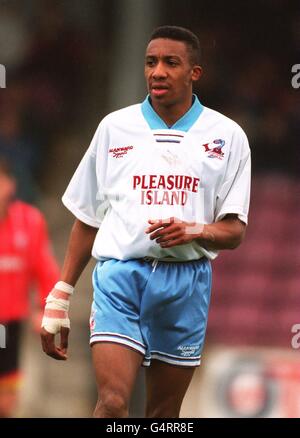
(7, 189)
(168, 71)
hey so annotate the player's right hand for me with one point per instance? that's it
(56, 321)
(49, 347)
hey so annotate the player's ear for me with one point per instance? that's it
(196, 73)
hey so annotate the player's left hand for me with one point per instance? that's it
(173, 231)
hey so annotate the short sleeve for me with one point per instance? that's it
(83, 194)
(233, 197)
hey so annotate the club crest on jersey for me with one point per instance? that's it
(214, 149)
(120, 152)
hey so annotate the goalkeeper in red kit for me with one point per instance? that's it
(26, 262)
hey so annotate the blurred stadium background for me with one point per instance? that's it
(69, 63)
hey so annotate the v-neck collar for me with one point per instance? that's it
(183, 124)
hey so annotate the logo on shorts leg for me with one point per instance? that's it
(188, 350)
(92, 320)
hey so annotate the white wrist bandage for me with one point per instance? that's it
(57, 307)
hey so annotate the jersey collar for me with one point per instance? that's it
(183, 124)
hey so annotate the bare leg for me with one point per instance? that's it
(116, 368)
(166, 387)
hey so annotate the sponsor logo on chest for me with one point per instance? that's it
(120, 152)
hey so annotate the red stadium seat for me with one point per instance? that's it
(256, 288)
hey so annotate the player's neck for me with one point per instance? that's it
(173, 112)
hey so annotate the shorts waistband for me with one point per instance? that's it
(169, 259)
(155, 261)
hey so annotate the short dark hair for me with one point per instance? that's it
(180, 34)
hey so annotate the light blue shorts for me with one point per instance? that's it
(159, 310)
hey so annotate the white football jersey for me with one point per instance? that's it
(137, 168)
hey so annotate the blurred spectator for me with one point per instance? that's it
(14, 37)
(250, 58)
(48, 61)
(26, 260)
(56, 65)
(19, 149)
